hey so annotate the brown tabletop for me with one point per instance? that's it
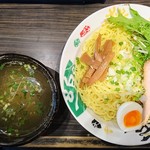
(41, 31)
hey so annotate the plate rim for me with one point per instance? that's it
(61, 70)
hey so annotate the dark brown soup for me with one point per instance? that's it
(25, 98)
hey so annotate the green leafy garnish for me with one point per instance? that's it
(139, 29)
(133, 68)
(120, 43)
(15, 86)
(24, 91)
(78, 60)
(39, 108)
(2, 66)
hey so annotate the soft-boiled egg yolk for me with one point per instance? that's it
(129, 116)
(132, 118)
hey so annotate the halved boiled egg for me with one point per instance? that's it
(129, 116)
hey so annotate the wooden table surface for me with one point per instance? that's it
(41, 31)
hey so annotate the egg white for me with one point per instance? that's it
(123, 110)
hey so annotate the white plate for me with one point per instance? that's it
(71, 96)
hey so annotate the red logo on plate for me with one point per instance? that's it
(85, 30)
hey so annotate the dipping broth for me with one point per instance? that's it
(25, 98)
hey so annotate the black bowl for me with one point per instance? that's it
(6, 140)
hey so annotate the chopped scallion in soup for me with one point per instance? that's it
(25, 98)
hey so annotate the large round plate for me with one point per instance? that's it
(71, 96)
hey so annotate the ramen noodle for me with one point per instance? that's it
(124, 78)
